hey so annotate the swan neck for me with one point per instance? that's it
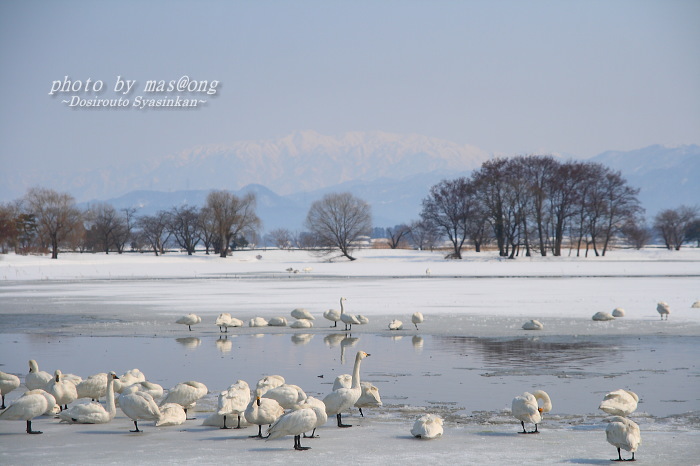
(356, 372)
(111, 407)
(342, 308)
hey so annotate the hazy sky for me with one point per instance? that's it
(573, 77)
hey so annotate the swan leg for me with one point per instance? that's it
(312, 434)
(297, 443)
(3, 403)
(29, 428)
(535, 431)
(522, 423)
(239, 422)
(137, 427)
(361, 412)
(191, 418)
(224, 427)
(340, 421)
(259, 432)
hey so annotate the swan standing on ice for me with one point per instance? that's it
(370, 394)
(294, 423)
(262, 411)
(93, 413)
(320, 409)
(623, 434)
(347, 319)
(301, 313)
(344, 398)
(525, 408)
(8, 382)
(189, 320)
(334, 314)
(185, 394)
(223, 321)
(28, 406)
(36, 378)
(619, 402)
(235, 400)
(663, 309)
(138, 405)
(533, 325)
(428, 426)
(64, 391)
(417, 318)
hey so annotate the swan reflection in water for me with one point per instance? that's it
(417, 342)
(189, 342)
(301, 338)
(224, 345)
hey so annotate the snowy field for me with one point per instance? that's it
(89, 313)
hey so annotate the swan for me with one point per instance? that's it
(320, 409)
(428, 426)
(417, 318)
(619, 402)
(36, 378)
(603, 316)
(696, 304)
(618, 312)
(623, 433)
(347, 319)
(127, 379)
(268, 382)
(370, 394)
(526, 409)
(294, 423)
(301, 313)
(189, 320)
(64, 391)
(153, 389)
(395, 325)
(185, 394)
(235, 322)
(257, 322)
(663, 309)
(235, 400)
(302, 323)
(8, 382)
(93, 387)
(277, 322)
(138, 405)
(171, 414)
(533, 325)
(31, 404)
(334, 314)
(223, 321)
(262, 411)
(344, 398)
(362, 319)
(286, 395)
(93, 413)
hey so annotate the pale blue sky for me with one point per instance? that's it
(572, 77)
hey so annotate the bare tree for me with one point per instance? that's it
(184, 225)
(207, 228)
(281, 238)
(56, 215)
(424, 235)
(154, 230)
(232, 215)
(338, 220)
(109, 226)
(674, 225)
(636, 232)
(396, 234)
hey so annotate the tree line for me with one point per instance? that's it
(523, 205)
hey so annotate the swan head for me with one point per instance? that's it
(57, 375)
(362, 355)
(33, 366)
(113, 375)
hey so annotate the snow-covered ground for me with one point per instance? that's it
(88, 313)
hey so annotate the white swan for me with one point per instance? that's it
(334, 314)
(293, 423)
(257, 322)
(618, 312)
(301, 313)
(153, 389)
(185, 394)
(138, 405)
(347, 319)
(319, 408)
(262, 411)
(302, 323)
(235, 322)
(428, 426)
(695, 305)
(93, 387)
(663, 309)
(268, 382)
(64, 391)
(8, 382)
(93, 413)
(189, 320)
(234, 401)
(223, 321)
(171, 414)
(533, 325)
(369, 398)
(526, 409)
(127, 379)
(619, 402)
(603, 316)
(623, 433)
(344, 398)
(277, 322)
(417, 318)
(28, 406)
(35, 378)
(286, 395)
(363, 320)
(395, 325)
